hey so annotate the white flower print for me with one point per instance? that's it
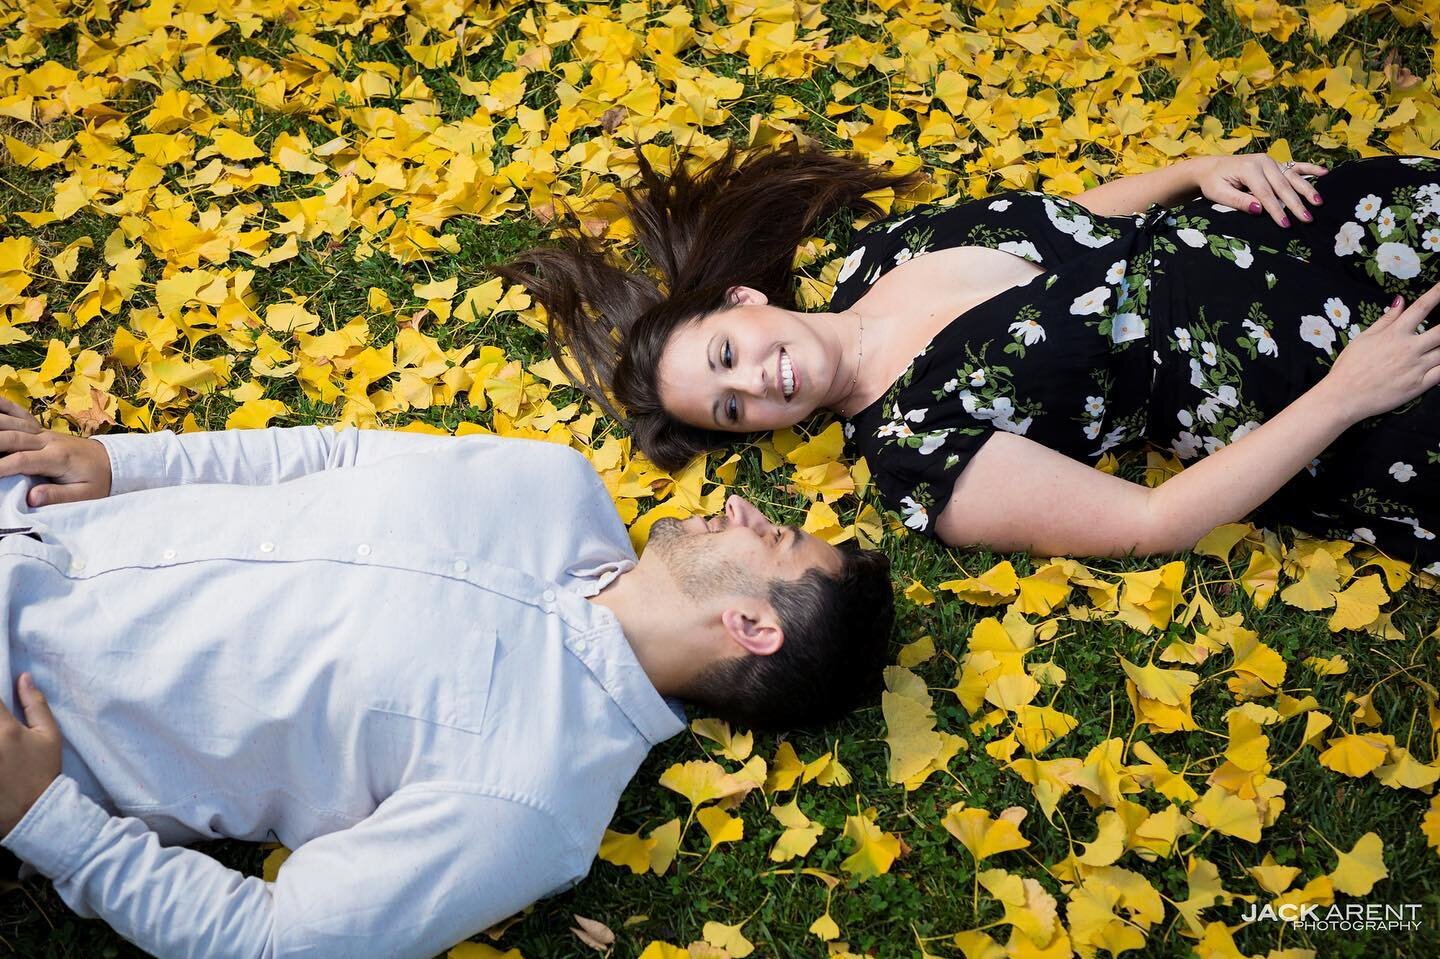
(1182, 337)
(1420, 531)
(1094, 405)
(968, 401)
(1028, 331)
(895, 428)
(848, 429)
(916, 516)
(1092, 429)
(1209, 353)
(1367, 208)
(1353, 331)
(1213, 443)
(898, 224)
(1125, 327)
(977, 378)
(1191, 237)
(1242, 429)
(852, 263)
(1116, 273)
(917, 416)
(1021, 248)
(1363, 534)
(1386, 222)
(903, 255)
(1317, 332)
(1078, 227)
(1243, 256)
(1000, 206)
(1010, 426)
(1197, 375)
(1431, 240)
(1403, 472)
(1433, 569)
(932, 442)
(1209, 409)
(1092, 302)
(1185, 418)
(1264, 342)
(1113, 438)
(1398, 260)
(951, 385)
(1338, 312)
(1226, 394)
(1347, 241)
(1186, 445)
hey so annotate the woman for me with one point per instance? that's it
(984, 355)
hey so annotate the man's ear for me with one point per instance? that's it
(754, 626)
(745, 296)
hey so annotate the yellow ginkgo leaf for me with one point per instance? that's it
(1227, 813)
(1362, 867)
(728, 938)
(875, 849)
(981, 835)
(720, 826)
(1355, 754)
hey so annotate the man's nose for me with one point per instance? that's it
(739, 511)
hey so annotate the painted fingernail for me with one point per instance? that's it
(1305, 215)
(1284, 221)
(1395, 303)
(1317, 198)
(1254, 208)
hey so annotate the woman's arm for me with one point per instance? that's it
(1252, 182)
(1128, 195)
(1020, 495)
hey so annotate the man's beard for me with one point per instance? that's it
(690, 559)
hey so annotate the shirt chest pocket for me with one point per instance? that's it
(427, 707)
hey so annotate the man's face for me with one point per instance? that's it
(737, 551)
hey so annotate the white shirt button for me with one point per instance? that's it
(548, 595)
(363, 549)
(168, 554)
(77, 565)
(267, 547)
(581, 645)
(461, 566)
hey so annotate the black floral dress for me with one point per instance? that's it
(1184, 328)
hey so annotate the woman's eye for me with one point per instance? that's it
(725, 358)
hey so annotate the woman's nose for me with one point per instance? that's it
(754, 383)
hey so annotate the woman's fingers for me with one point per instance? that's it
(1260, 186)
(1285, 193)
(1297, 174)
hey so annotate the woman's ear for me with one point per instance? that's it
(745, 296)
(755, 628)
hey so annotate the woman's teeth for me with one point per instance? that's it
(787, 375)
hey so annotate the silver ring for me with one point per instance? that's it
(1287, 165)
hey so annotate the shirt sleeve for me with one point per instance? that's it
(433, 865)
(249, 457)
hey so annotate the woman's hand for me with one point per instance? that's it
(1390, 362)
(79, 467)
(1254, 182)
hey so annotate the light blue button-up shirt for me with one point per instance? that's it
(372, 647)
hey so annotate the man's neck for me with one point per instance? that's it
(654, 629)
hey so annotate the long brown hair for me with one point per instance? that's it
(734, 223)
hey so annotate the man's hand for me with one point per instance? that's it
(79, 467)
(29, 754)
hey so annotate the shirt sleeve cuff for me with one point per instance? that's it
(58, 832)
(136, 460)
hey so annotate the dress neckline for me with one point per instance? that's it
(957, 320)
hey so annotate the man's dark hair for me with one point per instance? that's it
(837, 636)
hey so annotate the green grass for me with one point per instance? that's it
(927, 893)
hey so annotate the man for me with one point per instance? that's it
(428, 665)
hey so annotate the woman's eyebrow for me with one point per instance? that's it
(709, 351)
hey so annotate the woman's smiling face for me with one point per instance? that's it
(749, 368)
